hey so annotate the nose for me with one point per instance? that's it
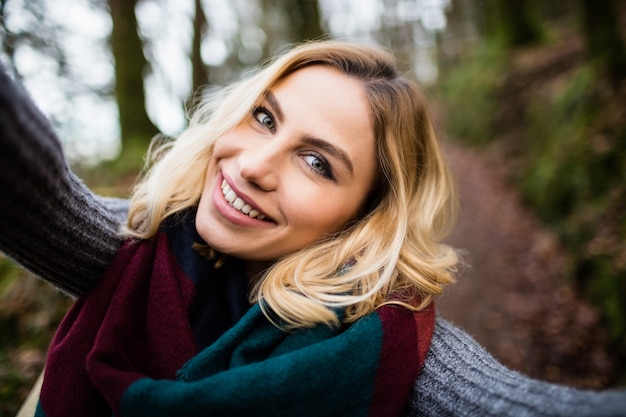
(260, 165)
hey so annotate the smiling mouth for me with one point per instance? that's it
(237, 203)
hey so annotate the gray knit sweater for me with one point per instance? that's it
(54, 226)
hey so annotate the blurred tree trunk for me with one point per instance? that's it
(516, 21)
(130, 65)
(199, 71)
(305, 20)
(289, 21)
(299, 20)
(605, 47)
(200, 74)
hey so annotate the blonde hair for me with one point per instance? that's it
(392, 254)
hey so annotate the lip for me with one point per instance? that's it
(230, 213)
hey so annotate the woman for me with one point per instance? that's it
(315, 190)
(342, 314)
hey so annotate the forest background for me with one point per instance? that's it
(536, 88)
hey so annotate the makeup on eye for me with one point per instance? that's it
(260, 110)
(315, 161)
(319, 165)
(265, 118)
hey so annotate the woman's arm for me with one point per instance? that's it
(461, 379)
(50, 222)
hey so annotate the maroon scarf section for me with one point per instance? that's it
(106, 342)
(135, 324)
(400, 362)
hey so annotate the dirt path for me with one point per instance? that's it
(513, 298)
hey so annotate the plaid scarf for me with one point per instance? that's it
(165, 333)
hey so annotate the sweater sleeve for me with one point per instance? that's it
(461, 379)
(50, 222)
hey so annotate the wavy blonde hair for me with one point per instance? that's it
(391, 254)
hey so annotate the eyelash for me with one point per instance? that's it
(327, 171)
(261, 109)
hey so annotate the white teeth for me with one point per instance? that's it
(230, 196)
(238, 203)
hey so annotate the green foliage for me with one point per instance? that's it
(575, 180)
(522, 24)
(563, 128)
(8, 270)
(30, 311)
(469, 92)
(116, 177)
(605, 47)
(11, 387)
(559, 154)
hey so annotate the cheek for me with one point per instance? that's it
(227, 144)
(221, 149)
(209, 175)
(321, 212)
(218, 149)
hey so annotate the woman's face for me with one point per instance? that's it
(297, 169)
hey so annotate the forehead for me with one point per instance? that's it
(326, 96)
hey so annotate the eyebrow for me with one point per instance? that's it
(331, 149)
(319, 143)
(271, 99)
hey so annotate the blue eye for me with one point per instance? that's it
(319, 165)
(264, 118)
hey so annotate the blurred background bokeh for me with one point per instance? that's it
(528, 96)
